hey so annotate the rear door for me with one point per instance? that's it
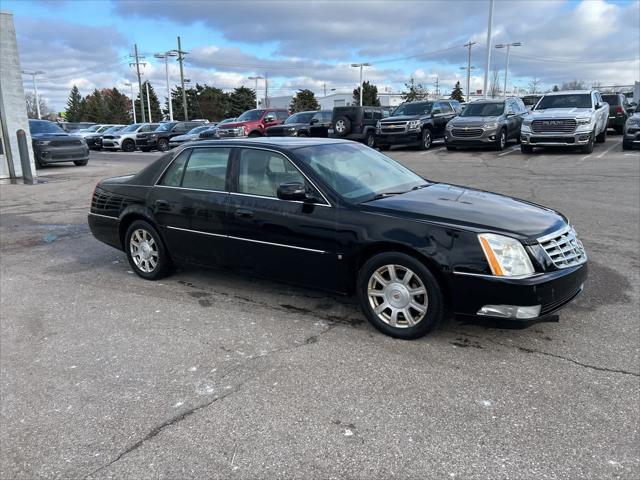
(190, 202)
(282, 239)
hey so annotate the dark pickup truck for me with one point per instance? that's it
(160, 137)
(416, 123)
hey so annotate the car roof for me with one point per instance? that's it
(289, 143)
(489, 100)
(569, 92)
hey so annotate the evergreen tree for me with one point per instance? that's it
(74, 106)
(95, 109)
(555, 88)
(241, 100)
(118, 107)
(415, 91)
(456, 94)
(156, 112)
(304, 100)
(193, 107)
(212, 102)
(369, 95)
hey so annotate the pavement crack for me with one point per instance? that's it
(549, 354)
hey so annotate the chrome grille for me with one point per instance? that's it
(393, 127)
(553, 126)
(563, 248)
(466, 132)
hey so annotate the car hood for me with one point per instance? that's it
(53, 136)
(473, 209)
(297, 126)
(551, 113)
(236, 124)
(474, 120)
(401, 118)
(185, 138)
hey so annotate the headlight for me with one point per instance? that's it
(506, 256)
(378, 124)
(584, 121)
(450, 125)
(42, 143)
(153, 135)
(491, 125)
(633, 122)
(527, 121)
(414, 124)
(116, 136)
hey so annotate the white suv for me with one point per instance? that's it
(125, 139)
(575, 118)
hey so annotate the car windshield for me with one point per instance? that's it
(227, 120)
(250, 116)
(132, 128)
(199, 129)
(93, 128)
(412, 109)
(36, 126)
(302, 117)
(483, 110)
(530, 101)
(611, 99)
(165, 127)
(574, 100)
(356, 172)
(113, 129)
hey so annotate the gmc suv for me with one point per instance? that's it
(253, 123)
(566, 119)
(416, 123)
(160, 137)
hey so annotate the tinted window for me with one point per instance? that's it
(413, 109)
(251, 116)
(173, 175)
(368, 115)
(326, 116)
(446, 108)
(282, 115)
(302, 117)
(611, 99)
(42, 126)
(262, 172)
(483, 109)
(576, 100)
(207, 169)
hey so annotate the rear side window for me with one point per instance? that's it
(173, 175)
(207, 169)
(446, 108)
(282, 115)
(368, 114)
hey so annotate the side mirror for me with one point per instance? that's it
(269, 119)
(292, 191)
(510, 114)
(313, 121)
(436, 111)
(598, 106)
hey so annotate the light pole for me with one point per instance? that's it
(506, 68)
(256, 79)
(166, 55)
(148, 100)
(487, 60)
(133, 106)
(34, 74)
(468, 68)
(360, 65)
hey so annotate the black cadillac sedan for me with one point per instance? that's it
(339, 216)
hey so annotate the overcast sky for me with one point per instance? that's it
(310, 44)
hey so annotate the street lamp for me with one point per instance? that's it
(256, 79)
(360, 65)
(166, 55)
(506, 68)
(468, 69)
(34, 74)
(133, 101)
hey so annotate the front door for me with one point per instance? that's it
(286, 240)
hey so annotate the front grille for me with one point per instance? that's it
(393, 127)
(563, 248)
(552, 140)
(555, 305)
(469, 132)
(229, 132)
(107, 203)
(64, 143)
(553, 126)
(209, 134)
(67, 156)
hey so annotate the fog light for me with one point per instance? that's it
(510, 311)
(492, 137)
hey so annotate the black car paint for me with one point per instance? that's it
(151, 140)
(323, 244)
(61, 146)
(318, 127)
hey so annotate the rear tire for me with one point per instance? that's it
(146, 252)
(425, 140)
(384, 148)
(128, 145)
(80, 163)
(412, 295)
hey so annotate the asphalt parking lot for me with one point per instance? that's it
(208, 374)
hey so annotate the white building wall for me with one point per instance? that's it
(13, 110)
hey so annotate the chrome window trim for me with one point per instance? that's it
(193, 189)
(104, 216)
(247, 240)
(279, 199)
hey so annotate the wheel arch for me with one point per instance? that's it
(390, 247)
(130, 215)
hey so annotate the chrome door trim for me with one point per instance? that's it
(196, 231)
(104, 216)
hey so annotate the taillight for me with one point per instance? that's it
(618, 109)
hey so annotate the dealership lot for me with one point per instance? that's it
(207, 373)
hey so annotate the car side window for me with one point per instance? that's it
(207, 169)
(262, 172)
(282, 115)
(446, 108)
(173, 175)
(368, 114)
(326, 116)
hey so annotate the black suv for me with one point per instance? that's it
(159, 138)
(355, 123)
(618, 113)
(416, 123)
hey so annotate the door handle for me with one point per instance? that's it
(243, 214)
(162, 205)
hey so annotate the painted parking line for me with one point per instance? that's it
(432, 149)
(617, 144)
(514, 149)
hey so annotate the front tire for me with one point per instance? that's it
(128, 145)
(163, 145)
(399, 295)
(526, 148)
(146, 252)
(626, 145)
(588, 148)
(80, 163)
(426, 140)
(501, 142)
(602, 137)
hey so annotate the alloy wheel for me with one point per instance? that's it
(144, 250)
(397, 296)
(426, 139)
(503, 139)
(340, 126)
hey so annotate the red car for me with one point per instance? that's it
(253, 123)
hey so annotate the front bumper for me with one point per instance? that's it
(555, 139)
(485, 139)
(616, 121)
(48, 154)
(550, 290)
(632, 135)
(401, 138)
(111, 144)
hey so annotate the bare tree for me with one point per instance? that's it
(573, 85)
(495, 83)
(533, 86)
(32, 111)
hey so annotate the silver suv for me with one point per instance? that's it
(486, 123)
(567, 119)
